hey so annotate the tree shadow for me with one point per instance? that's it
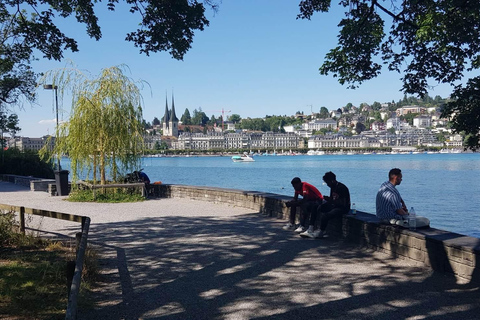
(246, 266)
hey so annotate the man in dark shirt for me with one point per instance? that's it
(311, 199)
(337, 204)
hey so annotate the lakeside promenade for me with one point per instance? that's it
(183, 259)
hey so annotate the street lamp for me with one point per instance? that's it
(52, 87)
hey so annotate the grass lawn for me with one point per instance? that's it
(33, 281)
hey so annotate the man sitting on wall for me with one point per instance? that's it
(389, 203)
(335, 205)
(311, 199)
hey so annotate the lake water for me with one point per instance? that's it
(443, 187)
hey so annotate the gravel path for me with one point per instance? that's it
(184, 259)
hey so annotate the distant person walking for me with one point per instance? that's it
(389, 203)
(311, 199)
(335, 205)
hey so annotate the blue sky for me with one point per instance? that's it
(254, 59)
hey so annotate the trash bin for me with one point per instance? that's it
(61, 180)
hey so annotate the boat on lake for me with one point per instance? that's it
(243, 158)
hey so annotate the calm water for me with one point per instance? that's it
(443, 187)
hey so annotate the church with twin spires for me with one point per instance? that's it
(170, 121)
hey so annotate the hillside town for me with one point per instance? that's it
(344, 128)
(405, 128)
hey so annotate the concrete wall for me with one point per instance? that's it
(440, 250)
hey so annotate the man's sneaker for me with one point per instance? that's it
(308, 234)
(288, 226)
(320, 234)
(300, 229)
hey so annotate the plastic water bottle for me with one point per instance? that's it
(354, 209)
(412, 219)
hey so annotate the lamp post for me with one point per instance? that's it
(52, 87)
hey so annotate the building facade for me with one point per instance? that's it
(236, 140)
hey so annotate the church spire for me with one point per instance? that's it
(173, 116)
(166, 117)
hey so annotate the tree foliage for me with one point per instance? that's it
(186, 118)
(464, 111)
(17, 79)
(104, 132)
(433, 39)
(199, 117)
(324, 113)
(165, 25)
(25, 25)
(9, 123)
(428, 41)
(235, 118)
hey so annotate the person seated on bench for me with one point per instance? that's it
(389, 204)
(143, 177)
(311, 199)
(335, 205)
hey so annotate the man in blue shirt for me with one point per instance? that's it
(389, 203)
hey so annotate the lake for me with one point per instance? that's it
(443, 187)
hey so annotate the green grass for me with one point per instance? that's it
(108, 196)
(33, 282)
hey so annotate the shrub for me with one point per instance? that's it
(27, 163)
(110, 195)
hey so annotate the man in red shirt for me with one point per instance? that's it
(311, 199)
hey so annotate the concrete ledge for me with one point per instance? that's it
(20, 180)
(440, 250)
(41, 185)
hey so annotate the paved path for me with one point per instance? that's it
(184, 259)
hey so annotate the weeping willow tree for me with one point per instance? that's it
(104, 132)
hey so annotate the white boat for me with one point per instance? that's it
(244, 158)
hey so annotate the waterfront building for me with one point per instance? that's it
(33, 144)
(454, 141)
(199, 141)
(280, 140)
(236, 140)
(341, 141)
(151, 140)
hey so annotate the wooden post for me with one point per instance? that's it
(70, 272)
(22, 220)
(78, 238)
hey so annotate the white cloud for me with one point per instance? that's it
(49, 121)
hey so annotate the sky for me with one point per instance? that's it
(255, 59)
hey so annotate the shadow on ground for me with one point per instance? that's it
(246, 267)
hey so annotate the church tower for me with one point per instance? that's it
(173, 124)
(170, 120)
(166, 120)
